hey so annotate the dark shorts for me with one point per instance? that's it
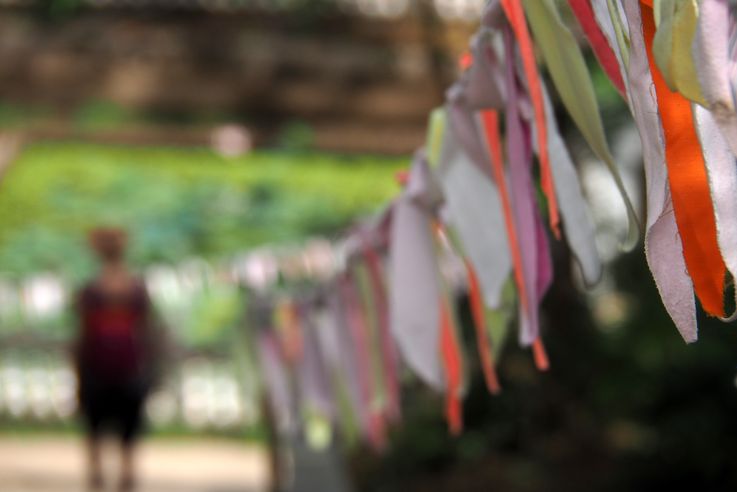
(116, 408)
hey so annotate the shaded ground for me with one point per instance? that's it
(56, 464)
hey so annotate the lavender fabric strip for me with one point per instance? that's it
(493, 16)
(348, 358)
(711, 53)
(326, 328)
(475, 214)
(415, 285)
(462, 119)
(314, 383)
(523, 198)
(544, 260)
(663, 247)
(577, 223)
(722, 172)
(276, 379)
(483, 81)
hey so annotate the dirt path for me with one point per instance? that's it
(56, 464)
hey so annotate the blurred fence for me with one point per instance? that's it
(447, 9)
(203, 391)
(211, 382)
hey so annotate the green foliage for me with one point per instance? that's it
(296, 136)
(58, 9)
(214, 313)
(16, 116)
(626, 408)
(177, 203)
(103, 114)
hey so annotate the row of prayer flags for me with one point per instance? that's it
(495, 184)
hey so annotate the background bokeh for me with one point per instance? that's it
(215, 128)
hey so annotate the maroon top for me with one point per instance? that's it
(111, 339)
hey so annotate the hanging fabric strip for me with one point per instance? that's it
(289, 330)
(414, 281)
(540, 354)
(450, 352)
(376, 427)
(435, 131)
(311, 373)
(606, 24)
(491, 126)
(482, 335)
(388, 350)
(450, 341)
(276, 378)
(462, 119)
(544, 267)
(711, 52)
(599, 44)
(672, 47)
(498, 320)
(328, 338)
(367, 308)
(689, 185)
(733, 51)
(568, 70)
(616, 14)
(515, 15)
(484, 79)
(663, 248)
(544, 261)
(474, 214)
(355, 385)
(577, 224)
(523, 200)
(722, 171)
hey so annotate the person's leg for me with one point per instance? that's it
(131, 416)
(127, 466)
(275, 468)
(94, 461)
(92, 414)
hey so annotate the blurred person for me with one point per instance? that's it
(115, 354)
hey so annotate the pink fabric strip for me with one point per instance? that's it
(276, 378)
(663, 247)
(354, 384)
(388, 350)
(523, 198)
(376, 428)
(313, 377)
(599, 44)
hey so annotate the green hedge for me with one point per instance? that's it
(177, 202)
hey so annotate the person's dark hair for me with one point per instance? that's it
(109, 243)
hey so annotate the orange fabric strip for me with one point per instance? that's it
(450, 352)
(540, 355)
(465, 61)
(482, 337)
(290, 331)
(516, 17)
(490, 119)
(491, 126)
(689, 185)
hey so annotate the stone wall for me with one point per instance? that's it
(362, 84)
